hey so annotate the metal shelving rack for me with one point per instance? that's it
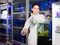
(10, 14)
(23, 15)
(8, 24)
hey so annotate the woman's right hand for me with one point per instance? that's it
(24, 31)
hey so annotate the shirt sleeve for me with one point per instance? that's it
(42, 19)
(27, 23)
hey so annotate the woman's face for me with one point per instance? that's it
(35, 9)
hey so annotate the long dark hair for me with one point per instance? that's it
(35, 4)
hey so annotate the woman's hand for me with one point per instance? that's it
(24, 31)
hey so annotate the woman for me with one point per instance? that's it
(32, 24)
